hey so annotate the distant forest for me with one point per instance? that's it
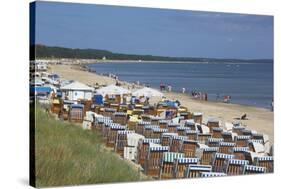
(42, 51)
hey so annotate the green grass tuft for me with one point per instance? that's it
(65, 154)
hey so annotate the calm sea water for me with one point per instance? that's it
(249, 84)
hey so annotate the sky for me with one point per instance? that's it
(150, 31)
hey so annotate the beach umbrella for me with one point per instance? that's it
(147, 92)
(112, 90)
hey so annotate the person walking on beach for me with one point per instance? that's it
(206, 97)
(272, 108)
(183, 90)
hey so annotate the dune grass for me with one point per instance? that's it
(66, 154)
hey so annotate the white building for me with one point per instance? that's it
(77, 90)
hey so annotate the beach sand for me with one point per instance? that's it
(259, 119)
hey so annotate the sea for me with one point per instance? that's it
(246, 83)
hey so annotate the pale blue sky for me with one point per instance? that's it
(154, 31)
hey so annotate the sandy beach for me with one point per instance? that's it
(260, 119)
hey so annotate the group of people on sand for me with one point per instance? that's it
(199, 95)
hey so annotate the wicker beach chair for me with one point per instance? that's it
(216, 132)
(153, 160)
(142, 149)
(207, 155)
(166, 170)
(198, 117)
(121, 141)
(120, 117)
(194, 171)
(218, 161)
(182, 130)
(203, 138)
(214, 142)
(189, 148)
(211, 174)
(252, 169)
(238, 130)
(112, 134)
(242, 140)
(172, 127)
(235, 166)
(176, 143)
(226, 147)
(139, 128)
(181, 164)
(148, 130)
(190, 124)
(163, 124)
(212, 123)
(157, 132)
(227, 136)
(191, 134)
(266, 161)
(239, 152)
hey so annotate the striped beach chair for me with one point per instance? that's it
(252, 169)
(109, 112)
(191, 134)
(172, 127)
(216, 132)
(166, 138)
(142, 149)
(238, 129)
(207, 155)
(148, 130)
(266, 161)
(257, 136)
(139, 128)
(189, 148)
(157, 132)
(251, 144)
(227, 136)
(163, 124)
(239, 152)
(190, 124)
(198, 117)
(194, 171)
(176, 143)
(211, 174)
(242, 140)
(105, 129)
(76, 113)
(120, 117)
(180, 165)
(235, 166)
(146, 118)
(247, 132)
(214, 142)
(155, 120)
(166, 170)
(112, 134)
(203, 138)
(153, 160)
(212, 123)
(218, 161)
(226, 147)
(121, 141)
(182, 130)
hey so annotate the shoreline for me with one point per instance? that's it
(260, 119)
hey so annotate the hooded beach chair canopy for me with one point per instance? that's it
(77, 86)
(147, 92)
(112, 90)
